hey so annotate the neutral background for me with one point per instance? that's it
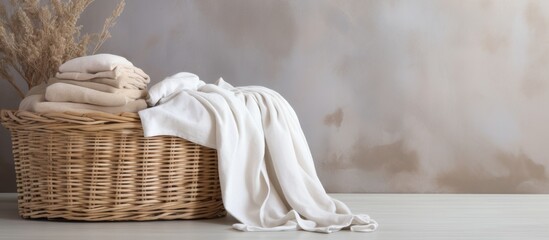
(393, 96)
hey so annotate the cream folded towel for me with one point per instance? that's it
(137, 71)
(122, 82)
(94, 63)
(37, 103)
(117, 72)
(62, 92)
(130, 93)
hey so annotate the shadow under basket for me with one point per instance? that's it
(99, 167)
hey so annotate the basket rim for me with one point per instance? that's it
(93, 118)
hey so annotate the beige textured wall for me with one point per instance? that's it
(393, 96)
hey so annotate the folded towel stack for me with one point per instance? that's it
(102, 82)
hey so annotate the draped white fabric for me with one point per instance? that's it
(266, 170)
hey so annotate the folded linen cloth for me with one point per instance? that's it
(117, 72)
(94, 63)
(266, 170)
(120, 82)
(63, 92)
(130, 93)
(38, 103)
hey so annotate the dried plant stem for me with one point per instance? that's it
(36, 37)
(109, 23)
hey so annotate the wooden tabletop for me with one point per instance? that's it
(401, 216)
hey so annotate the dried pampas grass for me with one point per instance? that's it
(36, 38)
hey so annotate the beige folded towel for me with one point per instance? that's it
(38, 103)
(118, 72)
(62, 92)
(136, 71)
(130, 93)
(121, 82)
(94, 63)
(117, 78)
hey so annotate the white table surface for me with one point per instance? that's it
(401, 216)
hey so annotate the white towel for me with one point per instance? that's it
(266, 170)
(94, 63)
(63, 92)
(172, 85)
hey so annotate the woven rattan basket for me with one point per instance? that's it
(99, 167)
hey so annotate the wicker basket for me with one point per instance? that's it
(99, 167)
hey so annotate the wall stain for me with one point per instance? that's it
(534, 83)
(336, 161)
(176, 32)
(393, 158)
(492, 43)
(486, 4)
(342, 68)
(152, 41)
(413, 44)
(535, 18)
(267, 25)
(472, 179)
(334, 119)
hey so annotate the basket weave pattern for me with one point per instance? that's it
(99, 167)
